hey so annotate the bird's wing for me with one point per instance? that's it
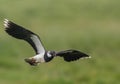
(24, 34)
(71, 55)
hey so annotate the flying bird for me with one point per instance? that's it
(42, 55)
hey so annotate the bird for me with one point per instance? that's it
(41, 54)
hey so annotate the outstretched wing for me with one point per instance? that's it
(24, 34)
(71, 55)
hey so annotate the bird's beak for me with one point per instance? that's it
(31, 61)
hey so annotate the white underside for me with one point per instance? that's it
(40, 49)
(39, 58)
(38, 44)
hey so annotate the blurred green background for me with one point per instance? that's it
(92, 26)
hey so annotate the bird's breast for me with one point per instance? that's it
(39, 58)
(42, 60)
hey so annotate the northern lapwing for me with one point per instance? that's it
(33, 39)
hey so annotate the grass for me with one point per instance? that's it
(89, 26)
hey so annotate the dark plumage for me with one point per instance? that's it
(71, 55)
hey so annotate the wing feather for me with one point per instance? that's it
(24, 34)
(71, 55)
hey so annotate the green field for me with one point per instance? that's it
(92, 26)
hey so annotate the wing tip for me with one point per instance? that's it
(6, 23)
(6, 19)
(88, 57)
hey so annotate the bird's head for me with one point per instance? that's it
(51, 53)
(31, 61)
